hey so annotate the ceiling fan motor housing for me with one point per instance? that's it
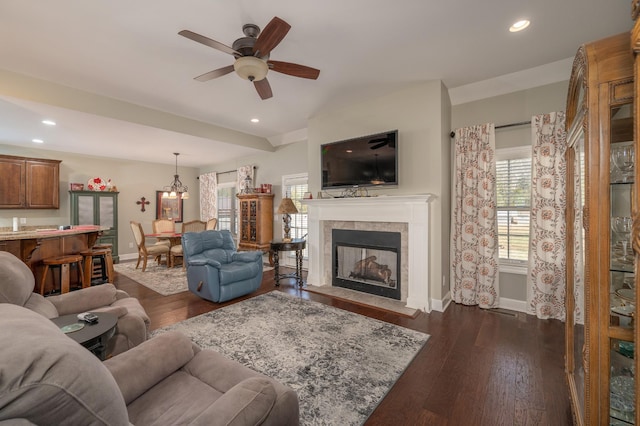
(251, 68)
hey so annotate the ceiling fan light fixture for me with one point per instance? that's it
(251, 68)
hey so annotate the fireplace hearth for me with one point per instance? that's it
(367, 261)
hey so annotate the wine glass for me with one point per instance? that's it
(624, 158)
(621, 225)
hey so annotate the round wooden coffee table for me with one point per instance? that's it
(92, 336)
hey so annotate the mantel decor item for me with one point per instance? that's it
(287, 208)
(176, 189)
(168, 208)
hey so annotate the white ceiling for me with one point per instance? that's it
(130, 51)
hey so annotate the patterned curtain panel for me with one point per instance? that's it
(208, 196)
(474, 223)
(241, 183)
(547, 263)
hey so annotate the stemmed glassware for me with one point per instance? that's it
(623, 158)
(621, 225)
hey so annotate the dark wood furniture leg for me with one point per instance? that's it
(276, 267)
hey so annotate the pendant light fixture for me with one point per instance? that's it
(176, 189)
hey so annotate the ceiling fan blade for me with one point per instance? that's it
(270, 37)
(208, 42)
(264, 88)
(294, 69)
(379, 145)
(215, 73)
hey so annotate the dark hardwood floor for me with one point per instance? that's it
(478, 368)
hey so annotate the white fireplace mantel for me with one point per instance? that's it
(410, 209)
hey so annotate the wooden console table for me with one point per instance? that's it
(297, 245)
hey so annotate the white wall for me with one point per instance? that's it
(134, 179)
(421, 114)
(512, 108)
(270, 167)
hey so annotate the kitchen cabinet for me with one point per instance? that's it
(29, 183)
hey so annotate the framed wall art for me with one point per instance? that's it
(168, 208)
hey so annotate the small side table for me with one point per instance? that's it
(94, 337)
(297, 245)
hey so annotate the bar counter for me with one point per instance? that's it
(31, 246)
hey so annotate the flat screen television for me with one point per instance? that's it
(364, 161)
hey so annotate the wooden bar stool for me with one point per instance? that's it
(109, 259)
(62, 262)
(98, 265)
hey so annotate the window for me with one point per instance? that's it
(227, 207)
(295, 186)
(513, 187)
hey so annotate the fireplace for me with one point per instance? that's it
(367, 261)
(408, 214)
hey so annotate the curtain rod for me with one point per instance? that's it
(228, 171)
(519, 123)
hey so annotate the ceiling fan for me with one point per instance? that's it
(252, 55)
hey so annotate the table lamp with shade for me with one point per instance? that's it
(287, 208)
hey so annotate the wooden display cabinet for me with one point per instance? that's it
(97, 208)
(256, 221)
(601, 202)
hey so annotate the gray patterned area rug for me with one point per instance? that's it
(158, 278)
(341, 364)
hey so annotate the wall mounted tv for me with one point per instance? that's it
(365, 161)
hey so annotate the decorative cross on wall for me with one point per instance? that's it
(142, 203)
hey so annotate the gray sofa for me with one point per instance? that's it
(17, 283)
(47, 378)
(215, 270)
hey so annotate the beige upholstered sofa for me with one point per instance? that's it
(47, 378)
(17, 284)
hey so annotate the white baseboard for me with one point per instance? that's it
(513, 304)
(441, 305)
(129, 256)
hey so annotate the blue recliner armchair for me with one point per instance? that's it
(215, 270)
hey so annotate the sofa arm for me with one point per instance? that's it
(246, 256)
(84, 300)
(203, 262)
(139, 369)
(247, 403)
(118, 311)
(121, 294)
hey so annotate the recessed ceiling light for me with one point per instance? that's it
(49, 122)
(349, 151)
(37, 141)
(519, 26)
(255, 120)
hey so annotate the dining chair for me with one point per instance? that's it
(211, 224)
(145, 251)
(191, 226)
(163, 225)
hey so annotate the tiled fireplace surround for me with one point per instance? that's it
(408, 215)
